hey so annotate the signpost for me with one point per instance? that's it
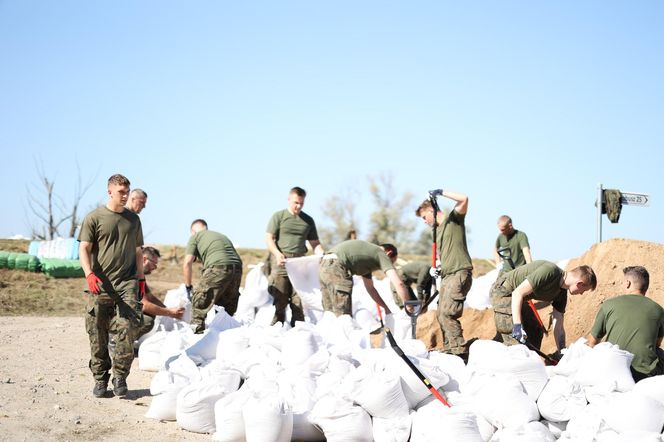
(626, 199)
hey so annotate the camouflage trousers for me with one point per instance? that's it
(148, 324)
(336, 286)
(453, 291)
(501, 301)
(120, 312)
(219, 285)
(283, 293)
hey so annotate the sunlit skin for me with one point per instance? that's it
(295, 203)
(137, 203)
(505, 228)
(118, 195)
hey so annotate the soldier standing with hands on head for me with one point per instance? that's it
(111, 257)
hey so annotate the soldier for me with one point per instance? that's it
(137, 201)
(416, 272)
(152, 306)
(287, 233)
(517, 243)
(456, 267)
(355, 257)
(221, 275)
(634, 323)
(543, 281)
(110, 251)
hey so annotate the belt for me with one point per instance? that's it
(330, 256)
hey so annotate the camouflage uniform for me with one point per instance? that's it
(115, 238)
(336, 286)
(283, 293)
(456, 271)
(219, 285)
(544, 278)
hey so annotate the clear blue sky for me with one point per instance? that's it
(218, 108)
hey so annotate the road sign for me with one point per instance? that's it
(634, 199)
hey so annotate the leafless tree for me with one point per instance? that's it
(340, 210)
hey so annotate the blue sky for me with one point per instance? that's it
(218, 108)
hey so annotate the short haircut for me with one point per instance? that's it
(505, 219)
(199, 221)
(426, 204)
(298, 191)
(149, 250)
(587, 275)
(140, 193)
(390, 250)
(118, 179)
(639, 276)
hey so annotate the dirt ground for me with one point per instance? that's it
(45, 384)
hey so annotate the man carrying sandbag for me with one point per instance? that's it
(634, 323)
(539, 280)
(111, 257)
(221, 275)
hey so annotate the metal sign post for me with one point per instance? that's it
(626, 199)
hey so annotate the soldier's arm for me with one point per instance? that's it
(518, 295)
(527, 255)
(187, 269)
(271, 243)
(85, 253)
(317, 248)
(139, 263)
(558, 329)
(368, 284)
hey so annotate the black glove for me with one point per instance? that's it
(189, 289)
(519, 333)
(435, 192)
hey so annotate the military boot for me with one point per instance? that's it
(100, 389)
(120, 387)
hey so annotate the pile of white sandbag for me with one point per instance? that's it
(244, 380)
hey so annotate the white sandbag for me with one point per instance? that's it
(495, 357)
(604, 364)
(206, 348)
(176, 341)
(380, 394)
(561, 399)
(530, 432)
(163, 406)
(341, 421)
(652, 387)
(183, 370)
(585, 425)
(391, 430)
(255, 292)
(231, 344)
(413, 388)
(478, 297)
(505, 406)
(177, 298)
(572, 359)
(195, 403)
(366, 319)
(264, 315)
(436, 422)
(266, 419)
(556, 428)
(454, 366)
(629, 436)
(149, 353)
(633, 412)
(303, 274)
(229, 423)
(298, 346)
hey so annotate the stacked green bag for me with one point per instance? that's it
(62, 268)
(11, 260)
(3, 259)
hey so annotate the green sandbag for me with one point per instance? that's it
(3, 259)
(62, 268)
(11, 260)
(34, 264)
(21, 262)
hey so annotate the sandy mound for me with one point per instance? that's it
(607, 259)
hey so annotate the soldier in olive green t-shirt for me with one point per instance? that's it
(416, 272)
(455, 268)
(110, 253)
(356, 257)
(634, 323)
(517, 243)
(542, 281)
(220, 277)
(286, 235)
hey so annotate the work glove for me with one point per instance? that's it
(141, 287)
(434, 272)
(189, 289)
(94, 283)
(435, 192)
(519, 333)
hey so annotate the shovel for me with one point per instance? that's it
(414, 311)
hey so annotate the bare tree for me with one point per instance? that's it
(49, 208)
(340, 210)
(392, 219)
